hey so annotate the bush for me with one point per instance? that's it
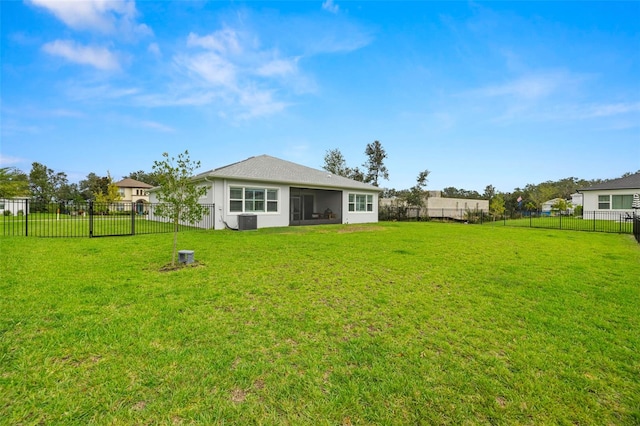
(20, 212)
(7, 213)
(577, 211)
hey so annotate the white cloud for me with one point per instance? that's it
(528, 87)
(210, 67)
(225, 41)
(8, 160)
(607, 110)
(258, 103)
(104, 16)
(154, 125)
(98, 57)
(154, 49)
(278, 67)
(329, 6)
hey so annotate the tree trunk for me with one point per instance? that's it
(175, 242)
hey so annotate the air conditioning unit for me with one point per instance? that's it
(247, 222)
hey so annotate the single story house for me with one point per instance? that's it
(548, 206)
(14, 206)
(612, 196)
(265, 191)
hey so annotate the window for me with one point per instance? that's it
(251, 200)
(603, 202)
(360, 203)
(121, 192)
(621, 202)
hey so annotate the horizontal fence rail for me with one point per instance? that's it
(622, 222)
(89, 219)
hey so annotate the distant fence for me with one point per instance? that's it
(594, 221)
(88, 219)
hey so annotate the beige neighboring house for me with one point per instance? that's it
(134, 191)
(437, 206)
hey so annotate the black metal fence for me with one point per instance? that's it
(88, 219)
(594, 221)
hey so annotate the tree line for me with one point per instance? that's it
(529, 198)
(44, 185)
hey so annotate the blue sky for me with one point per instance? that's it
(479, 93)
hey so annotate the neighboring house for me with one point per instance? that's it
(547, 206)
(436, 202)
(576, 199)
(14, 206)
(133, 191)
(613, 196)
(279, 193)
(437, 206)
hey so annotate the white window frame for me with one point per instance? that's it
(270, 199)
(356, 204)
(602, 203)
(621, 198)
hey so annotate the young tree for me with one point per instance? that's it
(178, 194)
(374, 166)
(13, 183)
(496, 205)
(415, 196)
(105, 198)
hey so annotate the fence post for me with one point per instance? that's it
(90, 218)
(133, 218)
(594, 221)
(26, 218)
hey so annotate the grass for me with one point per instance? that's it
(394, 323)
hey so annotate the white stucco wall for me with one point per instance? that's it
(218, 192)
(359, 217)
(590, 199)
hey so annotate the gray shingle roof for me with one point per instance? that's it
(265, 168)
(629, 182)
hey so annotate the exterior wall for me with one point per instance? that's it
(219, 196)
(358, 217)
(218, 193)
(591, 199)
(133, 195)
(456, 204)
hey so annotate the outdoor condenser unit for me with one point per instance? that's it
(247, 222)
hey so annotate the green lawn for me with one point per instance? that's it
(391, 323)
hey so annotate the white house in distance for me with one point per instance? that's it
(265, 191)
(14, 206)
(612, 196)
